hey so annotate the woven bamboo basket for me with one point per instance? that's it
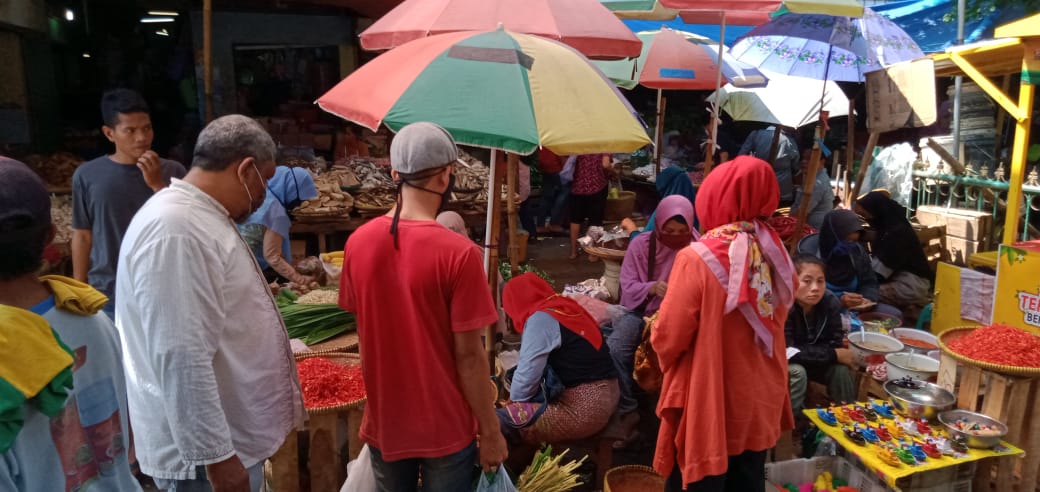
(620, 207)
(345, 343)
(605, 253)
(954, 333)
(342, 359)
(633, 478)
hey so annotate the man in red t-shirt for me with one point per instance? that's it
(420, 295)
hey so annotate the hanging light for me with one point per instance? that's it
(163, 13)
(86, 55)
(156, 20)
(70, 15)
(162, 32)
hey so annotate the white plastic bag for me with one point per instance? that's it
(360, 476)
(500, 482)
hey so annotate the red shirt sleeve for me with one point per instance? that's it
(472, 306)
(346, 291)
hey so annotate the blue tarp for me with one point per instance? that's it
(921, 19)
(707, 30)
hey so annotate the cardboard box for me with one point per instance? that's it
(799, 471)
(965, 224)
(901, 96)
(959, 250)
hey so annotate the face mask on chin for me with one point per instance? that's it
(445, 195)
(253, 205)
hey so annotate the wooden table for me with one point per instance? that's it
(323, 226)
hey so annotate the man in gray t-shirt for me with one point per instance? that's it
(760, 142)
(108, 191)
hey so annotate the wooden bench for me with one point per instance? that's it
(600, 447)
(1009, 399)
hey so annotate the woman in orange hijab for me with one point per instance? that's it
(720, 338)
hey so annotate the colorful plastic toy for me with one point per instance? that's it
(853, 435)
(882, 433)
(931, 449)
(827, 416)
(883, 409)
(869, 435)
(887, 455)
(905, 456)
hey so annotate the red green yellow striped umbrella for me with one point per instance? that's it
(496, 89)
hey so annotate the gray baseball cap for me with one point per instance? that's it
(23, 194)
(422, 146)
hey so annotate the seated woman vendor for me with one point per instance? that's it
(561, 350)
(899, 258)
(644, 281)
(849, 274)
(267, 229)
(815, 329)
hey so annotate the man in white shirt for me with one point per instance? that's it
(211, 379)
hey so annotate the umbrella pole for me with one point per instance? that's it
(511, 193)
(491, 250)
(659, 134)
(850, 140)
(709, 153)
(809, 180)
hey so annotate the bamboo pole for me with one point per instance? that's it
(1018, 162)
(661, 103)
(207, 56)
(850, 139)
(868, 156)
(808, 183)
(513, 161)
(709, 152)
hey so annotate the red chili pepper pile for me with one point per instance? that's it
(327, 384)
(1000, 344)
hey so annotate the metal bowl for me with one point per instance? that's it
(867, 346)
(919, 399)
(979, 442)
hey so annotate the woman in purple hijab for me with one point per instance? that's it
(644, 281)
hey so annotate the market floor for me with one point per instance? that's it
(551, 255)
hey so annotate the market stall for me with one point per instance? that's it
(1012, 52)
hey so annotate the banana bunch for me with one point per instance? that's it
(333, 258)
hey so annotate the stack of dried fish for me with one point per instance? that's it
(61, 215)
(55, 169)
(370, 174)
(379, 200)
(331, 201)
(471, 179)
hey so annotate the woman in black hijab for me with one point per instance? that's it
(898, 256)
(849, 273)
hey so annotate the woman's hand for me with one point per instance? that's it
(659, 289)
(851, 300)
(629, 225)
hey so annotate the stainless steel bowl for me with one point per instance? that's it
(979, 442)
(919, 399)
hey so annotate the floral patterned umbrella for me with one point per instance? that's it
(826, 47)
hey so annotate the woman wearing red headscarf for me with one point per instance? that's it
(561, 347)
(720, 338)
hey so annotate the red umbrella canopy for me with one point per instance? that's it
(585, 25)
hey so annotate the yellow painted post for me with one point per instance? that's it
(1018, 162)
